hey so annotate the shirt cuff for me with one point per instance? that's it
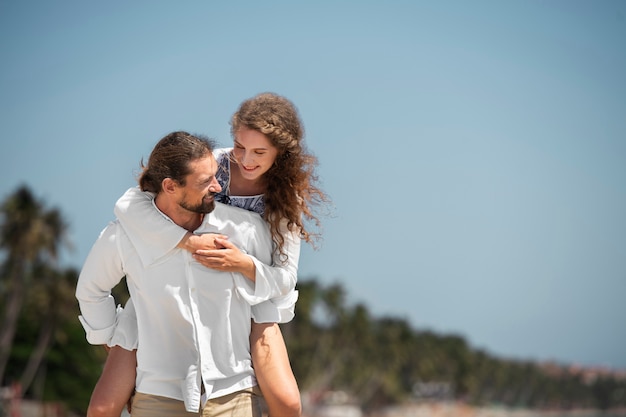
(99, 336)
(125, 334)
(263, 288)
(276, 310)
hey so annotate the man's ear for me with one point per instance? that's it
(169, 186)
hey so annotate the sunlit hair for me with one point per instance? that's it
(171, 157)
(291, 193)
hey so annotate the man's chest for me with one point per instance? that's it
(177, 275)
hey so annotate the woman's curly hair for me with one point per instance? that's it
(291, 192)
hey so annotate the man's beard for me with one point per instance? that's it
(203, 207)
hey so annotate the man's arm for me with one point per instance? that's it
(101, 272)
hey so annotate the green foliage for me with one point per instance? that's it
(382, 361)
(43, 345)
(73, 367)
(70, 367)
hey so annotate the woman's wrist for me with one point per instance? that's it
(249, 269)
(186, 242)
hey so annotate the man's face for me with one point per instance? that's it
(200, 187)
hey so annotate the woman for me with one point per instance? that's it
(267, 171)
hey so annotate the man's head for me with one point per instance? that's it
(182, 166)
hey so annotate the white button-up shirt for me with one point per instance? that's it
(275, 295)
(194, 322)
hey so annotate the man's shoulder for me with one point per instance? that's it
(225, 211)
(112, 231)
(109, 238)
(240, 221)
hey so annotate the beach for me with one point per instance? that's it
(454, 409)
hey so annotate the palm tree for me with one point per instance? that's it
(52, 293)
(30, 235)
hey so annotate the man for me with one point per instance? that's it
(194, 323)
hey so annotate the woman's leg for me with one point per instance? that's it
(273, 371)
(116, 384)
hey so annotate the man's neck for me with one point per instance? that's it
(184, 218)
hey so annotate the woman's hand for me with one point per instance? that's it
(226, 257)
(193, 243)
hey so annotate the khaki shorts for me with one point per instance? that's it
(244, 403)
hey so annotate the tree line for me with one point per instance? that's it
(333, 346)
(383, 361)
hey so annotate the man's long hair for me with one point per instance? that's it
(171, 157)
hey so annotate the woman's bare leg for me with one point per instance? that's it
(116, 384)
(273, 370)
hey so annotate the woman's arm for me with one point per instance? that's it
(282, 276)
(144, 223)
(281, 309)
(271, 281)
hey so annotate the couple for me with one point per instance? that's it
(209, 280)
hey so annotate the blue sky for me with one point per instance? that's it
(475, 151)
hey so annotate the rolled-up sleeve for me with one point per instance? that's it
(278, 280)
(275, 285)
(101, 272)
(126, 333)
(277, 310)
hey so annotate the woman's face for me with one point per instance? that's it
(254, 153)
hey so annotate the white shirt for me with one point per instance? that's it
(275, 294)
(194, 322)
